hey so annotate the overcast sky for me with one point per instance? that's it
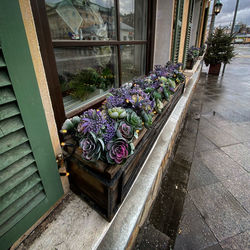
(227, 12)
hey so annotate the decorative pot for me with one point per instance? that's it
(190, 64)
(214, 69)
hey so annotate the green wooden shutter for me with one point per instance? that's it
(188, 31)
(199, 24)
(177, 30)
(29, 179)
(204, 27)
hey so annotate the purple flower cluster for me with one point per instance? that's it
(130, 97)
(115, 101)
(110, 130)
(91, 121)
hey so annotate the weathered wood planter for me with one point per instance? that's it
(105, 186)
(190, 63)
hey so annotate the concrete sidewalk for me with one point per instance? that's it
(204, 201)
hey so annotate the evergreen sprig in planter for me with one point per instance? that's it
(106, 148)
(219, 50)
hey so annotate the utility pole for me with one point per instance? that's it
(211, 28)
(235, 14)
(232, 28)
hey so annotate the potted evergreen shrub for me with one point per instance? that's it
(219, 50)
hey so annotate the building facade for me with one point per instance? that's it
(46, 46)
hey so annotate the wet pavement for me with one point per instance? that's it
(204, 200)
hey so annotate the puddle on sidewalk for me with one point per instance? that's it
(160, 229)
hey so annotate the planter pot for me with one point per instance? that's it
(105, 186)
(214, 69)
(190, 63)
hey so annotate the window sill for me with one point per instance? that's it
(76, 106)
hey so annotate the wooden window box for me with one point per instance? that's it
(105, 186)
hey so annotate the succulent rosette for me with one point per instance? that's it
(118, 151)
(125, 131)
(117, 113)
(92, 147)
(133, 119)
(71, 123)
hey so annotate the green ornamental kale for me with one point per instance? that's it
(133, 119)
(117, 113)
(171, 83)
(159, 106)
(71, 123)
(147, 118)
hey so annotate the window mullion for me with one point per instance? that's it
(85, 43)
(117, 15)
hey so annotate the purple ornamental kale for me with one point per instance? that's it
(125, 131)
(118, 151)
(92, 147)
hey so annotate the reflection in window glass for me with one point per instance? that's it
(133, 19)
(85, 73)
(133, 58)
(81, 19)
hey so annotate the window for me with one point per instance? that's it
(176, 39)
(97, 45)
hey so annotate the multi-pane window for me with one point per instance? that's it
(98, 44)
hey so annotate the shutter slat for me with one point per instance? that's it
(14, 155)
(18, 191)
(11, 125)
(6, 95)
(24, 211)
(2, 63)
(19, 203)
(12, 140)
(8, 110)
(16, 167)
(17, 179)
(4, 79)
